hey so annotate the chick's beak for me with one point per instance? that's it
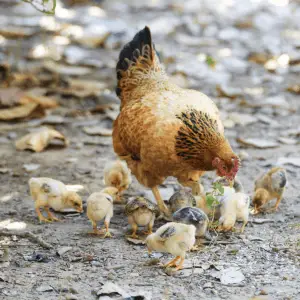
(80, 209)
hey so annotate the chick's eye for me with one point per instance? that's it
(76, 204)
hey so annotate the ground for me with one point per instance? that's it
(251, 93)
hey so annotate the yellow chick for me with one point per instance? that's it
(269, 186)
(118, 175)
(100, 206)
(234, 207)
(173, 238)
(50, 193)
(141, 212)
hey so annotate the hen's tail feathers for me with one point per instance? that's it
(137, 61)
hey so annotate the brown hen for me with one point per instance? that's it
(163, 130)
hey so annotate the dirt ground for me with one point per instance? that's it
(253, 101)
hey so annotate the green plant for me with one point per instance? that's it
(44, 6)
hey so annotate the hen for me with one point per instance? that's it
(163, 130)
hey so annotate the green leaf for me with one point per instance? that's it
(210, 199)
(218, 186)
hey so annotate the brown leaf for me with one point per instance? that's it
(259, 58)
(13, 32)
(97, 130)
(294, 89)
(44, 101)
(23, 80)
(28, 111)
(39, 140)
(65, 69)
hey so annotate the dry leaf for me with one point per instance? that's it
(10, 96)
(259, 58)
(258, 143)
(30, 110)
(13, 32)
(39, 140)
(228, 92)
(97, 130)
(294, 89)
(65, 69)
(44, 101)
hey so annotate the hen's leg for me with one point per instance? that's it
(160, 202)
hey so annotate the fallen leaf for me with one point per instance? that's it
(14, 32)
(259, 58)
(97, 130)
(231, 275)
(228, 92)
(39, 140)
(295, 161)
(10, 96)
(44, 101)
(294, 89)
(30, 110)
(258, 143)
(135, 241)
(65, 69)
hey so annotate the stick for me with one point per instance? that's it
(29, 235)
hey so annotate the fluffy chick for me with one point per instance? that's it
(193, 216)
(100, 206)
(173, 238)
(269, 186)
(118, 175)
(50, 193)
(141, 212)
(180, 199)
(234, 207)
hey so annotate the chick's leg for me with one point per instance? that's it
(40, 215)
(277, 203)
(50, 214)
(107, 233)
(150, 226)
(134, 230)
(172, 263)
(95, 229)
(160, 202)
(180, 266)
(243, 226)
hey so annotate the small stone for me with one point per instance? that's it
(61, 251)
(44, 288)
(208, 285)
(31, 167)
(71, 297)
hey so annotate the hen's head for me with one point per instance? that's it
(227, 167)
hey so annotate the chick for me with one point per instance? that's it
(173, 238)
(118, 175)
(141, 212)
(180, 199)
(234, 207)
(269, 186)
(48, 192)
(100, 206)
(193, 216)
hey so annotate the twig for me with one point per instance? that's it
(29, 235)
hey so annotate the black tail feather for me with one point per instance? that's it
(134, 48)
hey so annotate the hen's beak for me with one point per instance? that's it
(231, 182)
